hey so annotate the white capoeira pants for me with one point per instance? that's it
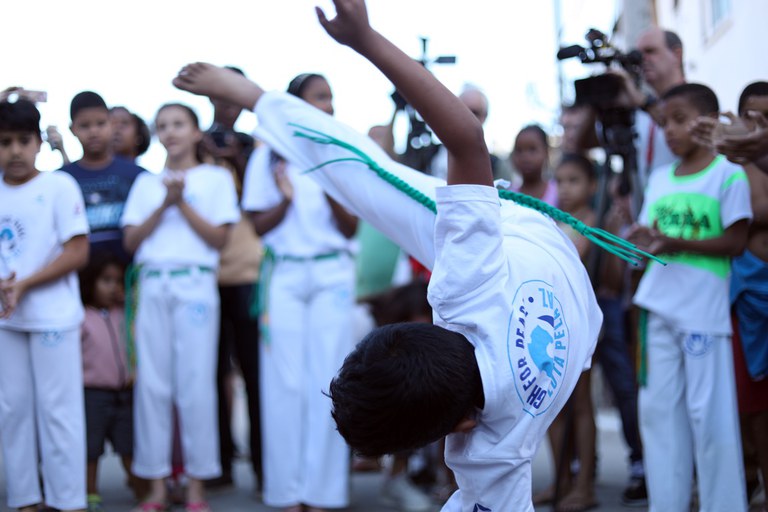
(688, 415)
(308, 333)
(177, 328)
(42, 417)
(403, 220)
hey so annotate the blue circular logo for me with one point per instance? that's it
(538, 341)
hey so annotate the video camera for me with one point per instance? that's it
(601, 91)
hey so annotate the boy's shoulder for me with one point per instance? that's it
(117, 167)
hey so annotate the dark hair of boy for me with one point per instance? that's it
(406, 385)
(20, 116)
(83, 100)
(701, 97)
(583, 163)
(91, 272)
(753, 89)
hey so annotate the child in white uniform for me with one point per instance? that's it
(516, 320)
(43, 242)
(176, 222)
(307, 295)
(696, 212)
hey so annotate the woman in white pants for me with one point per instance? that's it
(307, 297)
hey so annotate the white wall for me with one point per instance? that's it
(726, 57)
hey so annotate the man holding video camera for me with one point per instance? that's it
(661, 69)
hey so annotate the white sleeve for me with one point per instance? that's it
(227, 210)
(735, 202)
(133, 211)
(360, 190)
(69, 209)
(260, 191)
(470, 261)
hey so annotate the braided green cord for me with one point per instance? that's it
(132, 274)
(607, 241)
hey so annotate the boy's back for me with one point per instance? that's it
(511, 283)
(692, 290)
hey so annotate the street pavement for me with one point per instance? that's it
(365, 492)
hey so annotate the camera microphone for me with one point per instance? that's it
(569, 52)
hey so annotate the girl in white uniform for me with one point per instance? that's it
(176, 222)
(307, 302)
(43, 242)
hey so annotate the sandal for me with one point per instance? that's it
(197, 506)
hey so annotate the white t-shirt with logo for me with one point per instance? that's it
(691, 291)
(36, 219)
(309, 227)
(208, 189)
(512, 283)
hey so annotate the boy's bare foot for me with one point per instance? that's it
(206, 79)
(576, 501)
(545, 496)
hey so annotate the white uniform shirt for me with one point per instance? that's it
(208, 189)
(691, 291)
(508, 280)
(309, 227)
(36, 219)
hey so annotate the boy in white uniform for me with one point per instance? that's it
(43, 241)
(516, 320)
(696, 212)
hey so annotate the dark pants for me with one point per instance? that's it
(238, 343)
(614, 356)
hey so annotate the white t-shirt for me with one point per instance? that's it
(309, 227)
(36, 219)
(208, 189)
(512, 283)
(691, 292)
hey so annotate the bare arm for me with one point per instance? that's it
(732, 242)
(345, 221)
(215, 236)
(267, 220)
(453, 123)
(74, 256)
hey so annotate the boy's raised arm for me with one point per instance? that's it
(458, 129)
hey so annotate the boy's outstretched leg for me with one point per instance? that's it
(340, 171)
(206, 79)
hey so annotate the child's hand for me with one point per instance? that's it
(747, 146)
(11, 291)
(702, 130)
(650, 240)
(282, 180)
(350, 26)
(174, 190)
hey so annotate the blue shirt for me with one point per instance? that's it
(105, 191)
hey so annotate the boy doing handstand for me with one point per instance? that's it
(515, 317)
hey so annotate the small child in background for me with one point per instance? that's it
(573, 432)
(696, 213)
(107, 372)
(575, 186)
(530, 155)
